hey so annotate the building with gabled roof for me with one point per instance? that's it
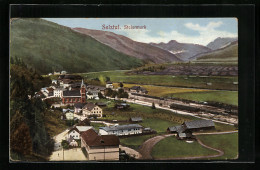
(90, 109)
(99, 147)
(75, 131)
(121, 130)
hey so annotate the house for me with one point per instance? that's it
(199, 125)
(63, 72)
(75, 131)
(58, 92)
(99, 147)
(69, 115)
(185, 130)
(121, 130)
(91, 109)
(136, 119)
(67, 110)
(75, 96)
(109, 85)
(66, 83)
(78, 107)
(92, 94)
(56, 73)
(50, 74)
(138, 89)
(54, 82)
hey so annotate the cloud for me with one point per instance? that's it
(207, 34)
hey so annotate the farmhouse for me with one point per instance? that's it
(75, 131)
(121, 130)
(185, 130)
(91, 109)
(138, 89)
(100, 148)
(75, 96)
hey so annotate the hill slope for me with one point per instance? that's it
(227, 54)
(143, 51)
(47, 46)
(220, 43)
(182, 50)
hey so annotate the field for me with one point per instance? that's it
(218, 82)
(161, 91)
(226, 142)
(172, 148)
(135, 141)
(157, 119)
(228, 97)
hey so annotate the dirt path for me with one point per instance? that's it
(147, 146)
(131, 152)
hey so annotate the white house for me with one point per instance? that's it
(75, 131)
(63, 72)
(54, 82)
(92, 94)
(91, 109)
(121, 130)
(69, 115)
(58, 92)
(109, 85)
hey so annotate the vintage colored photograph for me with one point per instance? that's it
(123, 89)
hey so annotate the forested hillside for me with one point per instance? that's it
(29, 139)
(48, 47)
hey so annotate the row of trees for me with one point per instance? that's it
(113, 93)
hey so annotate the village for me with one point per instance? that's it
(81, 107)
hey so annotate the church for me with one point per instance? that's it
(75, 96)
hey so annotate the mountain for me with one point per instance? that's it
(182, 50)
(220, 43)
(226, 54)
(46, 47)
(125, 45)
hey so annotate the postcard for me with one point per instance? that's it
(123, 89)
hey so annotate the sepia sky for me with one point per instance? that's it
(185, 30)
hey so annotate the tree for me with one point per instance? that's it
(153, 106)
(20, 140)
(100, 95)
(121, 84)
(114, 94)
(108, 92)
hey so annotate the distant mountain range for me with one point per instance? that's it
(184, 51)
(227, 54)
(47, 47)
(220, 43)
(143, 51)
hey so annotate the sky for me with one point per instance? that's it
(184, 30)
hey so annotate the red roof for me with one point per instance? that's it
(93, 139)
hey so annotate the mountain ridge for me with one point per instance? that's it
(125, 45)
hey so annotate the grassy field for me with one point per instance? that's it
(54, 125)
(135, 141)
(157, 119)
(225, 142)
(161, 91)
(218, 82)
(172, 148)
(228, 97)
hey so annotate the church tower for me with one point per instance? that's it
(83, 92)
